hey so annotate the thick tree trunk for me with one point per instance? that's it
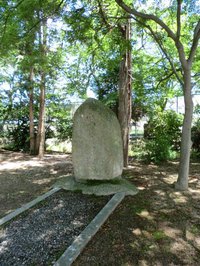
(182, 182)
(125, 99)
(31, 113)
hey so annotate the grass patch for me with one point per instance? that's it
(158, 235)
(195, 229)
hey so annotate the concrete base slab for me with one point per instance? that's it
(97, 187)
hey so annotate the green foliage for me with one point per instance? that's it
(163, 136)
(64, 128)
(158, 235)
(197, 109)
(138, 149)
(19, 136)
(60, 118)
(196, 136)
(159, 150)
(89, 33)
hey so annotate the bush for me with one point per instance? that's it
(19, 136)
(64, 128)
(138, 149)
(159, 150)
(163, 136)
(196, 136)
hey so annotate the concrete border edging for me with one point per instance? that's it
(27, 206)
(73, 251)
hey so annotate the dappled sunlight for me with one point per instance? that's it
(32, 162)
(193, 235)
(171, 177)
(24, 177)
(179, 246)
(146, 214)
(4, 246)
(18, 165)
(140, 187)
(159, 222)
(178, 197)
(160, 192)
(194, 193)
(162, 214)
(21, 192)
(42, 181)
(60, 205)
(137, 232)
(169, 231)
(152, 226)
(44, 236)
(77, 223)
(5, 241)
(53, 172)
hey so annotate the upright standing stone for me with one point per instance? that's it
(96, 142)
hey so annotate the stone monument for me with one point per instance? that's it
(97, 151)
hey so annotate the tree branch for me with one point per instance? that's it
(9, 14)
(178, 16)
(165, 78)
(102, 14)
(134, 12)
(195, 42)
(170, 33)
(162, 49)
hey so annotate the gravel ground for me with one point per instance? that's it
(40, 235)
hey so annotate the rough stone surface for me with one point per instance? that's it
(96, 143)
(98, 187)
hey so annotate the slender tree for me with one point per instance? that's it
(125, 90)
(31, 111)
(43, 54)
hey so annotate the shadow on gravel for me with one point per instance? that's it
(40, 235)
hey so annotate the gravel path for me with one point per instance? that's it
(40, 235)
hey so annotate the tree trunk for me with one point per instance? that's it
(31, 113)
(186, 143)
(41, 124)
(125, 99)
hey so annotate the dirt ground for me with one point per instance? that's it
(158, 226)
(24, 177)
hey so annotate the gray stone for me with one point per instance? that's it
(97, 187)
(97, 152)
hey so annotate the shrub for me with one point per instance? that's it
(64, 128)
(19, 136)
(159, 150)
(163, 135)
(196, 136)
